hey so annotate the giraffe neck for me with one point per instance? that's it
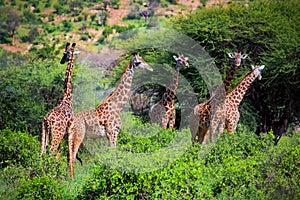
(120, 95)
(237, 94)
(170, 92)
(173, 86)
(68, 79)
(229, 77)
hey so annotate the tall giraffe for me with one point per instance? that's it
(201, 115)
(163, 112)
(229, 112)
(57, 121)
(104, 120)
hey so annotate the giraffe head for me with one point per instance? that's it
(181, 61)
(257, 70)
(137, 62)
(67, 53)
(238, 57)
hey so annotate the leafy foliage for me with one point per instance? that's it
(269, 33)
(17, 148)
(28, 90)
(24, 173)
(242, 165)
(44, 187)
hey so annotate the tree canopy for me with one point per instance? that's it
(269, 32)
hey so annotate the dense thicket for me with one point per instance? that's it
(239, 166)
(269, 32)
(28, 89)
(243, 166)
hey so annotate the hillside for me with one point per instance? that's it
(85, 26)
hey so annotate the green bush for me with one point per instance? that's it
(24, 173)
(29, 90)
(85, 37)
(242, 165)
(17, 148)
(281, 170)
(137, 137)
(44, 187)
(67, 25)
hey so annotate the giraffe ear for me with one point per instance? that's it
(244, 56)
(175, 57)
(186, 58)
(230, 55)
(252, 67)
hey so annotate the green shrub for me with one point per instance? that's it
(44, 187)
(85, 37)
(237, 166)
(115, 3)
(29, 89)
(281, 170)
(10, 180)
(137, 137)
(134, 12)
(24, 173)
(67, 25)
(17, 148)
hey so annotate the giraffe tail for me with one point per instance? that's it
(79, 159)
(44, 137)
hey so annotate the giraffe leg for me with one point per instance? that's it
(231, 125)
(213, 127)
(221, 127)
(204, 136)
(113, 129)
(194, 132)
(194, 125)
(47, 136)
(164, 120)
(153, 114)
(172, 119)
(114, 135)
(55, 143)
(75, 139)
(43, 137)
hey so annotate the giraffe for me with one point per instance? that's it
(163, 112)
(57, 121)
(229, 111)
(104, 120)
(204, 110)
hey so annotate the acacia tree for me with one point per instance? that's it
(269, 33)
(10, 20)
